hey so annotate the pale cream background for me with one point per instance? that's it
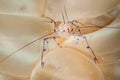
(20, 23)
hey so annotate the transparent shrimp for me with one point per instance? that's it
(63, 29)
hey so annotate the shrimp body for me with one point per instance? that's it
(68, 29)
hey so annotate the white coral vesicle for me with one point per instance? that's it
(67, 64)
(22, 21)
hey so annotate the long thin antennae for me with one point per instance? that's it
(66, 13)
(100, 27)
(91, 26)
(24, 47)
(63, 17)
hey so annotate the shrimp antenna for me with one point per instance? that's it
(66, 13)
(24, 47)
(63, 17)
